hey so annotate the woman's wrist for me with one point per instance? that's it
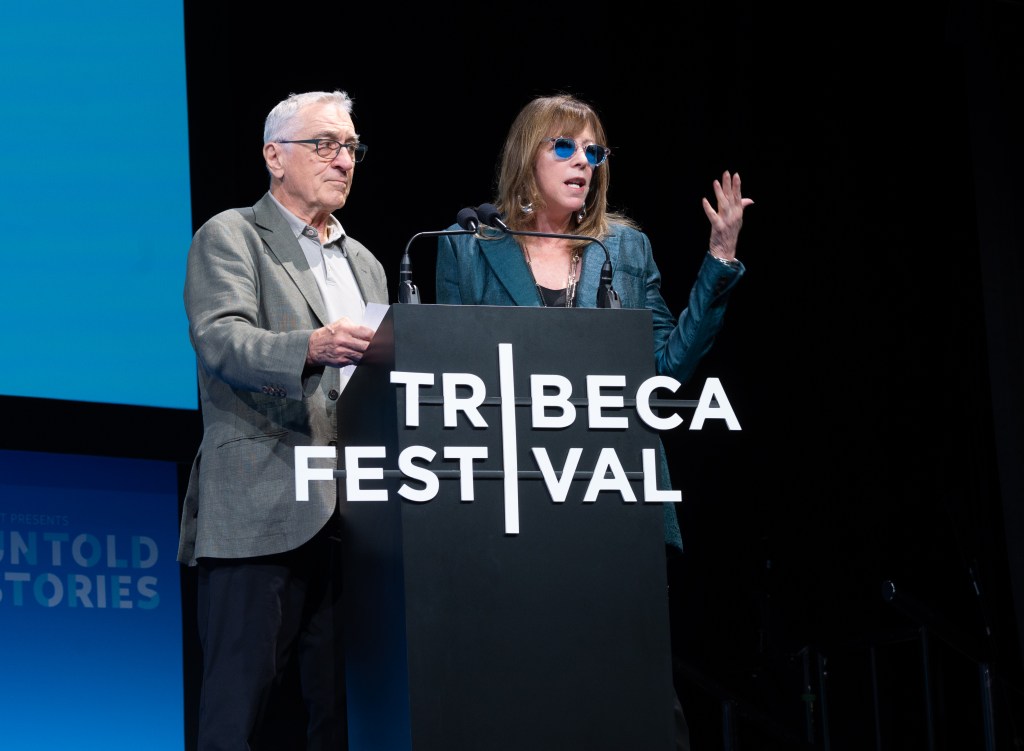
(730, 262)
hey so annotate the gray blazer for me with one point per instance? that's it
(252, 305)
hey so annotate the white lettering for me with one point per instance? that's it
(558, 484)
(355, 474)
(509, 442)
(462, 396)
(304, 474)
(608, 461)
(465, 455)
(412, 382)
(542, 401)
(416, 472)
(713, 390)
(651, 492)
(596, 401)
(643, 403)
(468, 405)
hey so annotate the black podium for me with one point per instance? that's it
(512, 620)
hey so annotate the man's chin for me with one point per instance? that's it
(339, 199)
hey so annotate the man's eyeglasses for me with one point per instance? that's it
(328, 148)
(565, 148)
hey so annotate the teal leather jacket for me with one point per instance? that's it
(476, 271)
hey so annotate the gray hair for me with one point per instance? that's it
(280, 118)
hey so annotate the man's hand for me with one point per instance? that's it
(340, 343)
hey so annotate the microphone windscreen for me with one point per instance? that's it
(468, 219)
(489, 215)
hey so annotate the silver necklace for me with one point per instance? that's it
(570, 282)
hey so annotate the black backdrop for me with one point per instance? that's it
(872, 353)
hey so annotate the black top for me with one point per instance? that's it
(552, 298)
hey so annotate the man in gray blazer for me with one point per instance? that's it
(275, 294)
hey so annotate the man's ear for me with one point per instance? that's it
(272, 154)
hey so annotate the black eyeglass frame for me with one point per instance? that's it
(356, 149)
(591, 150)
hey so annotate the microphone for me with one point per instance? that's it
(490, 216)
(408, 292)
(468, 219)
(607, 297)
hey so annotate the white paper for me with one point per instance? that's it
(372, 317)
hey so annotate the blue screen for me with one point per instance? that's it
(90, 603)
(95, 203)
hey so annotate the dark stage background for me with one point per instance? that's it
(872, 353)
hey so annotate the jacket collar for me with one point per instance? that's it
(277, 234)
(506, 259)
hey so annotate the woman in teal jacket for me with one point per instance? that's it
(554, 180)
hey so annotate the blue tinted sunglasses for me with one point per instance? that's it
(565, 148)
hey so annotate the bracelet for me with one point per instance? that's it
(725, 261)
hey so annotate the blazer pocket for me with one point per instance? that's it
(244, 441)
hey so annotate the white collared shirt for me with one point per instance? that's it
(330, 267)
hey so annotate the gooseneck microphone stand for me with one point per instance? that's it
(408, 292)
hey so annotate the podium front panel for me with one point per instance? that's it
(466, 635)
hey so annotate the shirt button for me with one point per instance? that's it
(332, 394)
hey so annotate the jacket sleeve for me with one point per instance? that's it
(236, 336)
(679, 344)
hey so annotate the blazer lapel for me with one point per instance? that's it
(506, 260)
(590, 274)
(276, 233)
(363, 272)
